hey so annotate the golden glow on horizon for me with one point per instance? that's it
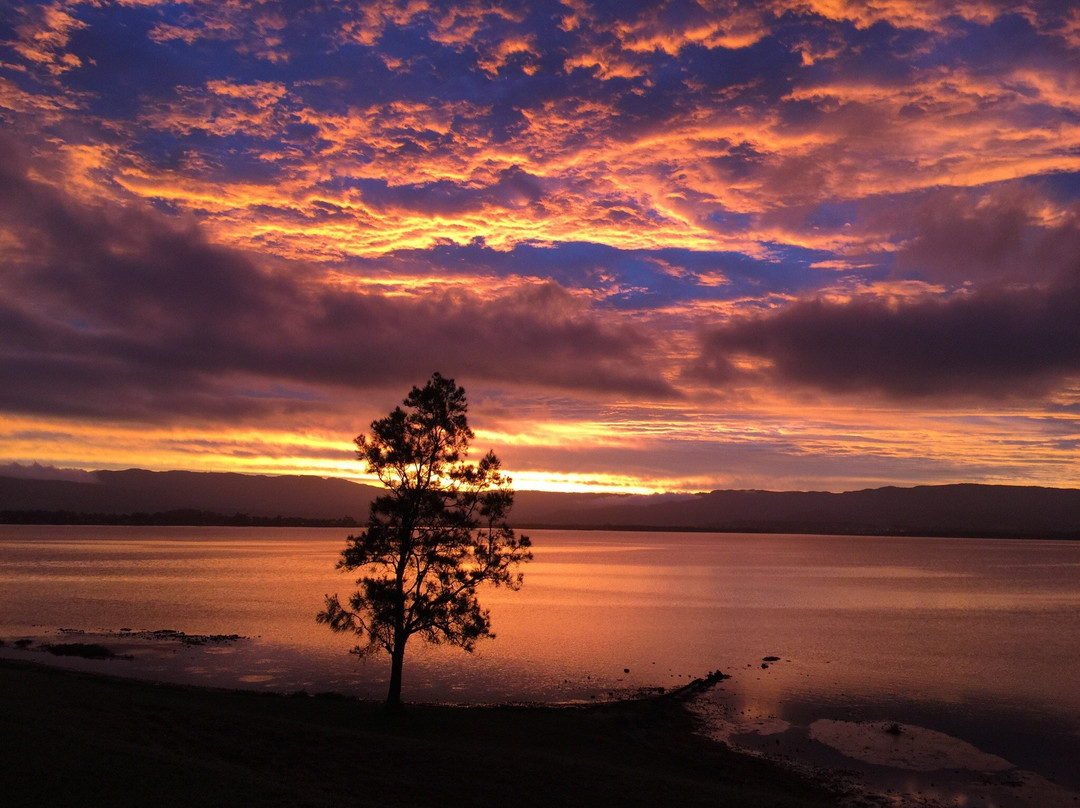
(583, 483)
(818, 434)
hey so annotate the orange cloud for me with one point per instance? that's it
(43, 35)
(929, 15)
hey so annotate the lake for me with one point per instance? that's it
(975, 638)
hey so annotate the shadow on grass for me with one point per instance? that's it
(73, 738)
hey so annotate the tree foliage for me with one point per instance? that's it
(438, 533)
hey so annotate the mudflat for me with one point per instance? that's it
(77, 739)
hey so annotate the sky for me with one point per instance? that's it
(664, 246)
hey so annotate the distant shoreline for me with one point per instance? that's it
(195, 518)
(810, 530)
(140, 497)
(175, 518)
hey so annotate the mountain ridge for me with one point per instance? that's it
(961, 509)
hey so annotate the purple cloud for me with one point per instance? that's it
(119, 313)
(994, 344)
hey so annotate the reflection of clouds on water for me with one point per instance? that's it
(900, 765)
(903, 746)
(725, 716)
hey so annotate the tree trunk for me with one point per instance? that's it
(397, 658)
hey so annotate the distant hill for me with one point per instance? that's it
(943, 510)
(937, 510)
(139, 491)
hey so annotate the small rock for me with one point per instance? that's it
(86, 650)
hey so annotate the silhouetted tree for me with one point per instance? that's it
(437, 534)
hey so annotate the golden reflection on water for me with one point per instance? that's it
(602, 611)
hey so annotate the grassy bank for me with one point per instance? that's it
(74, 739)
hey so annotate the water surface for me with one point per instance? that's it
(974, 637)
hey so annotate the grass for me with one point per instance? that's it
(74, 739)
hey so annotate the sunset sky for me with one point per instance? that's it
(792, 244)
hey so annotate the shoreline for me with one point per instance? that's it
(93, 739)
(883, 753)
(194, 518)
(883, 750)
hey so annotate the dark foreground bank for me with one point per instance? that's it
(74, 739)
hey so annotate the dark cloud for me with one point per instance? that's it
(741, 162)
(988, 235)
(1003, 320)
(995, 344)
(119, 313)
(37, 471)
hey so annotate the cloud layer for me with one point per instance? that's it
(644, 226)
(118, 313)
